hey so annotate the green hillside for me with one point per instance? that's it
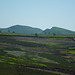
(58, 30)
(21, 29)
(28, 29)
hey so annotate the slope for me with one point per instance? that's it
(58, 30)
(21, 29)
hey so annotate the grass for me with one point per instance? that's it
(73, 48)
(9, 33)
(28, 71)
(11, 69)
(24, 43)
(7, 69)
(40, 35)
(45, 50)
(72, 52)
(53, 57)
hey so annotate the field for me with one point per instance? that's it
(27, 54)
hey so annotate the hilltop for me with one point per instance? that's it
(21, 29)
(58, 30)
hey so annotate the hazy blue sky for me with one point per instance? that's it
(38, 13)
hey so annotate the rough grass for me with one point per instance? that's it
(72, 52)
(73, 48)
(7, 69)
(53, 57)
(39, 46)
(16, 53)
(41, 35)
(30, 71)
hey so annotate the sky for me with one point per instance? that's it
(38, 13)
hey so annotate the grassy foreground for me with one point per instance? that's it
(22, 55)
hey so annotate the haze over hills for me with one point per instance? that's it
(28, 29)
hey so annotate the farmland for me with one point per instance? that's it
(27, 54)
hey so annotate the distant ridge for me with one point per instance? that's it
(21, 29)
(58, 30)
(28, 29)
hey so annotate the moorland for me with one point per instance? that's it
(44, 54)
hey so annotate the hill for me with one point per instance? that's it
(58, 30)
(28, 29)
(21, 29)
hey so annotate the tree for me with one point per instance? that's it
(45, 33)
(0, 31)
(54, 34)
(49, 33)
(36, 34)
(9, 31)
(13, 32)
